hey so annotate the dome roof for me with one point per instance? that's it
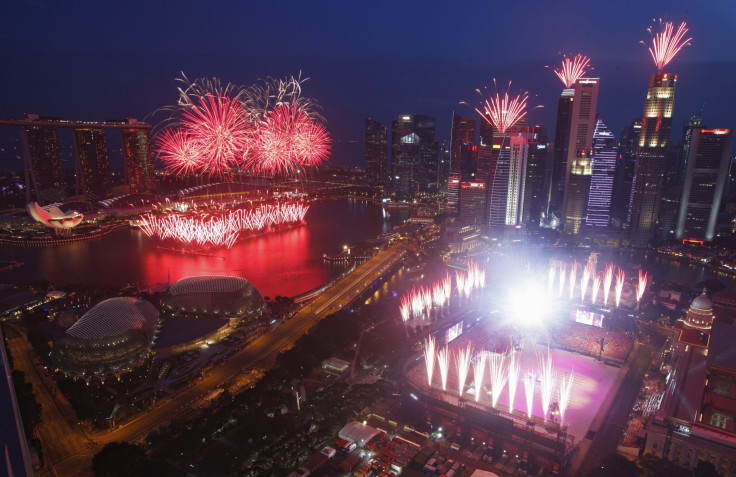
(224, 296)
(702, 302)
(114, 317)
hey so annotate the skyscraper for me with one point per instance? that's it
(625, 165)
(653, 139)
(605, 151)
(496, 175)
(579, 154)
(473, 201)
(376, 156)
(463, 133)
(138, 156)
(414, 154)
(559, 157)
(92, 163)
(535, 194)
(705, 182)
(42, 163)
(518, 161)
(687, 133)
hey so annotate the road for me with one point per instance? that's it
(65, 445)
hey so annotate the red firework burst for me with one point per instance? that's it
(178, 151)
(667, 43)
(288, 138)
(572, 69)
(217, 125)
(503, 111)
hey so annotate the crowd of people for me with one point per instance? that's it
(587, 340)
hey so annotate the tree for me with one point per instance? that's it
(705, 469)
(119, 459)
(30, 409)
(615, 465)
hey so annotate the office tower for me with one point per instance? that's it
(693, 123)
(605, 151)
(496, 175)
(705, 182)
(625, 165)
(473, 201)
(559, 155)
(535, 196)
(376, 155)
(486, 133)
(44, 178)
(414, 154)
(518, 161)
(138, 156)
(425, 127)
(468, 165)
(653, 139)
(444, 165)
(92, 163)
(579, 154)
(463, 133)
(453, 192)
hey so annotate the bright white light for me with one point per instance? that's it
(528, 304)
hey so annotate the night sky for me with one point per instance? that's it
(99, 60)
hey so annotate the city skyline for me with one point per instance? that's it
(353, 66)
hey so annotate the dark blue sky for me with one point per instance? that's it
(99, 60)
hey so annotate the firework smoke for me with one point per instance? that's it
(607, 279)
(443, 361)
(514, 371)
(620, 279)
(498, 375)
(565, 393)
(573, 277)
(479, 366)
(596, 287)
(587, 271)
(547, 381)
(529, 381)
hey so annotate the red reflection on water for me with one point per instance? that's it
(286, 262)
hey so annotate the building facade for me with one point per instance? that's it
(649, 174)
(704, 184)
(579, 154)
(92, 163)
(605, 151)
(376, 156)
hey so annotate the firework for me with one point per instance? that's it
(443, 361)
(513, 372)
(447, 288)
(607, 279)
(551, 278)
(479, 366)
(587, 272)
(547, 380)
(529, 381)
(563, 274)
(218, 128)
(572, 69)
(405, 308)
(460, 282)
(180, 154)
(286, 140)
(667, 43)
(221, 229)
(429, 347)
(642, 285)
(269, 93)
(573, 275)
(502, 112)
(498, 375)
(565, 393)
(463, 367)
(596, 287)
(620, 278)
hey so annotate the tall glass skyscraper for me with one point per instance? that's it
(656, 124)
(705, 181)
(559, 155)
(605, 151)
(414, 154)
(579, 154)
(376, 157)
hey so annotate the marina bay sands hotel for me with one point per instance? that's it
(44, 177)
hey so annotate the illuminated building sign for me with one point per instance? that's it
(454, 331)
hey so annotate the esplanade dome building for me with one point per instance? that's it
(234, 298)
(112, 337)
